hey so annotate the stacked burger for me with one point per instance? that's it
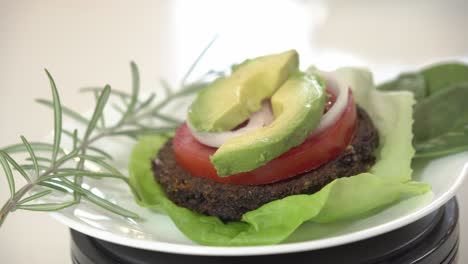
(265, 132)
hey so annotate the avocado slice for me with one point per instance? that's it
(229, 101)
(297, 106)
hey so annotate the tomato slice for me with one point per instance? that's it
(316, 150)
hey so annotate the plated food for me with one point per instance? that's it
(269, 147)
(310, 158)
(341, 144)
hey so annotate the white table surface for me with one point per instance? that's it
(91, 42)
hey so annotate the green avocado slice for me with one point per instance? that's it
(229, 101)
(297, 106)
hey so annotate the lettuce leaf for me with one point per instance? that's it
(388, 181)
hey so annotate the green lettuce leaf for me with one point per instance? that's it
(387, 182)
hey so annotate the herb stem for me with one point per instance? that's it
(150, 112)
(12, 202)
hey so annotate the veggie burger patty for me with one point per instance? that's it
(229, 201)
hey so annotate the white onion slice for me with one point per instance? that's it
(264, 117)
(341, 92)
(257, 120)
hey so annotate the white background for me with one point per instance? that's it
(91, 42)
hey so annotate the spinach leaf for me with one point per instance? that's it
(450, 143)
(441, 113)
(442, 76)
(441, 122)
(413, 82)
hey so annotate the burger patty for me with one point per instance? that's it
(229, 201)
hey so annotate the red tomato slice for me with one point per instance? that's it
(315, 151)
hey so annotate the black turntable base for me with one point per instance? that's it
(431, 240)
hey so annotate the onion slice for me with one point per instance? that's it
(264, 117)
(257, 120)
(340, 90)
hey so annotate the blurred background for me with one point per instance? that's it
(92, 42)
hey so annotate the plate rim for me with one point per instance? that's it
(201, 250)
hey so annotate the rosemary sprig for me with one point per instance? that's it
(64, 170)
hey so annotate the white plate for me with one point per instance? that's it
(155, 231)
